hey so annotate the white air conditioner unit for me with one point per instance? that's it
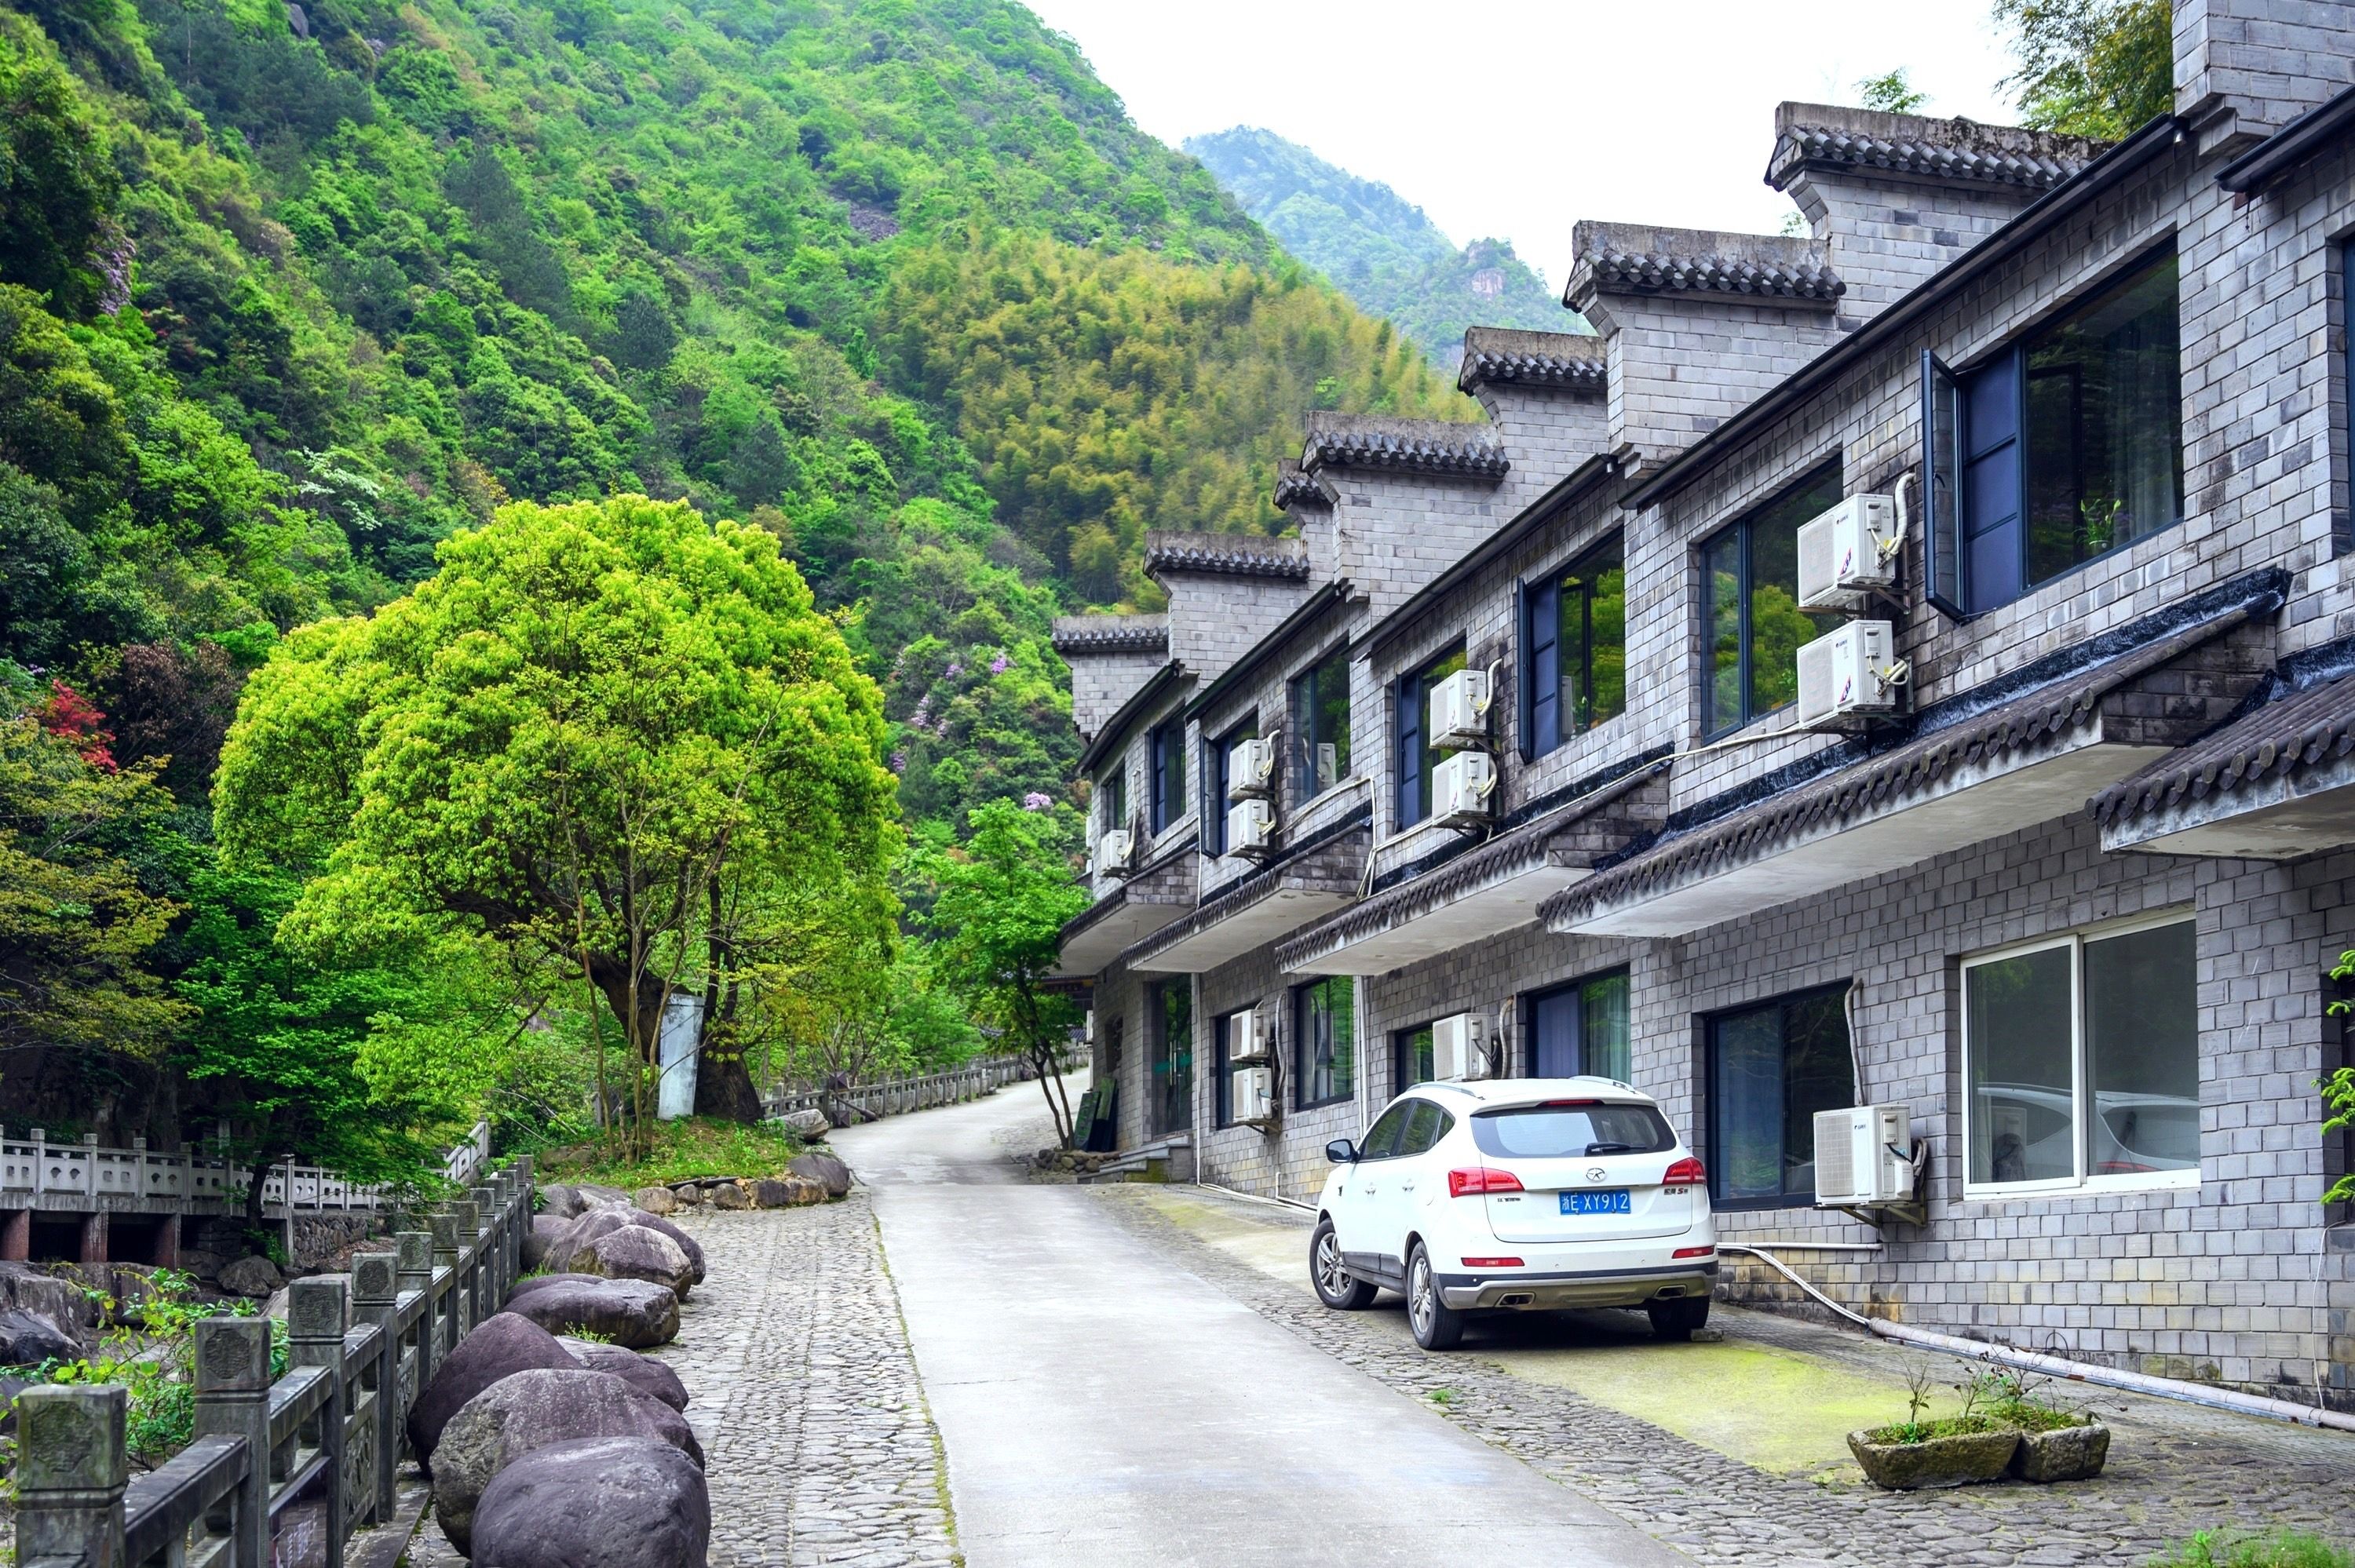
(1112, 850)
(1460, 788)
(1848, 552)
(1247, 1037)
(1459, 710)
(1850, 674)
(1251, 828)
(1864, 1156)
(1250, 769)
(1459, 1047)
(1250, 1094)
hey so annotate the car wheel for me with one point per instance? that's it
(1676, 1320)
(1335, 1285)
(1436, 1325)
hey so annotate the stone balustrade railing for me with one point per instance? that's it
(35, 1165)
(892, 1097)
(333, 1427)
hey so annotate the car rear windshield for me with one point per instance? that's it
(1571, 1132)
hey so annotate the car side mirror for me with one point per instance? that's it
(1341, 1151)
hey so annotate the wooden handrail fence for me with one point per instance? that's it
(335, 1424)
(893, 1097)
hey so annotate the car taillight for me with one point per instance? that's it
(1692, 1252)
(1492, 1263)
(1479, 1178)
(1684, 1172)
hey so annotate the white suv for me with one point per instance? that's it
(1516, 1194)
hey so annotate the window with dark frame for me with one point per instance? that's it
(1216, 764)
(1170, 1093)
(1574, 649)
(2066, 446)
(1751, 617)
(1113, 790)
(1222, 1089)
(1580, 1029)
(1411, 1060)
(1771, 1068)
(1320, 727)
(1324, 1041)
(1415, 758)
(1168, 774)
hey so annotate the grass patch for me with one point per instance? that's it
(2275, 1549)
(1944, 1426)
(683, 1150)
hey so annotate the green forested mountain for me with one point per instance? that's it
(297, 289)
(1380, 248)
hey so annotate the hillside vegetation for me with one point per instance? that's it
(1380, 248)
(293, 293)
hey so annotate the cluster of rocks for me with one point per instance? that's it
(556, 1452)
(1069, 1162)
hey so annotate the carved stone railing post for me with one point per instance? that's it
(447, 1330)
(72, 1469)
(490, 1293)
(315, 1337)
(374, 1299)
(413, 1258)
(233, 1401)
(469, 1223)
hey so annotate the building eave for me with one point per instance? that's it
(2318, 130)
(1115, 728)
(1247, 667)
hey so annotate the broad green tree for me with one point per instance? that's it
(999, 910)
(603, 735)
(2092, 68)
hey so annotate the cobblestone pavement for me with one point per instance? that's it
(805, 1399)
(2173, 1468)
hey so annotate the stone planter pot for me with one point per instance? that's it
(1957, 1461)
(2064, 1453)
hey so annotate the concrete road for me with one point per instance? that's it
(1101, 1407)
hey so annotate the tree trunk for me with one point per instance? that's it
(723, 1082)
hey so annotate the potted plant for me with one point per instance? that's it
(1948, 1451)
(2056, 1444)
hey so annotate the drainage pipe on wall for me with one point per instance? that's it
(2056, 1366)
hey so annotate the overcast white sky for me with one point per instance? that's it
(1518, 117)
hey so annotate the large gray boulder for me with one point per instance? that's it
(687, 1244)
(639, 1252)
(500, 1346)
(531, 1282)
(568, 1254)
(251, 1277)
(821, 1166)
(595, 1502)
(544, 1229)
(808, 1125)
(560, 1200)
(529, 1410)
(29, 1338)
(597, 1197)
(630, 1312)
(644, 1373)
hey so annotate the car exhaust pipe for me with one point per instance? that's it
(1519, 1299)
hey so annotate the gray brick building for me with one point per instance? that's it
(2070, 900)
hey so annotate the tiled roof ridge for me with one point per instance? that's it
(1613, 269)
(1571, 361)
(1415, 446)
(1225, 555)
(1294, 486)
(2291, 732)
(1111, 634)
(1828, 136)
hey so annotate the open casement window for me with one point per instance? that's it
(1168, 774)
(2066, 446)
(1216, 774)
(2080, 1062)
(1320, 727)
(1113, 791)
(1416, 757)
(1580, 1029)
(1574, 649)
(1325, 1040)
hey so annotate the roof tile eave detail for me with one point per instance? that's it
(1412, 446)
(1802, 146)
(1501, 355)
(1226, 554)
(2284, 737)
(1613, 271)
(1110, 634)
